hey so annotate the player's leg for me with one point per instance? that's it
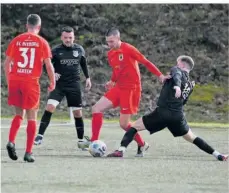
(129, 103)
(109, 100)
(97, 116)
(79, 123)
(14, 98)
(152, 122)
(31, 132)
(15, 125)
(97, 120)
(126, 124)
(203, 145)
(55, 97)
(30, 102)
(179, 127)
(74, 100)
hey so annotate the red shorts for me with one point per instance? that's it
(127, 99)
(22, 94)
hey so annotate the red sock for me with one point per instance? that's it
(97, 121)
(137, 137)
(31, 132)
(15, 125)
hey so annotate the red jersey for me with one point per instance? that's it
(124, 62)
(28, 51)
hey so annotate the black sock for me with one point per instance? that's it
(79, 127)
(203, 145)
(44, 122)
(128, 137)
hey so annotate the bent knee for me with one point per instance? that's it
(50, 107)
(139, 125)
(96, 109)
(124, 125)
(190, 137)
(77, 113)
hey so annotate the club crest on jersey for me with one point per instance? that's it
(75, 53)
(120, 57)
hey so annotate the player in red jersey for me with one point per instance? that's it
(124, 88)
(26, 53)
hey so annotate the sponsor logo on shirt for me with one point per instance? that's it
(120, 57)
(75, 53)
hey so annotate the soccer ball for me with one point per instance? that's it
(97, 148)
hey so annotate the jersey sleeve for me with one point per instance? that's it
(83, 64)
(83, 51)
(10, 49)
(176, 76)
(54, 56)
(134, 52)
(46, 50)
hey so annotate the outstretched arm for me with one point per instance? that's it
(176, 76)
(142, 60)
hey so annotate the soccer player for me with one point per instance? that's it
(26, 53)
(124, 88)
(169, 112)
(68, 59)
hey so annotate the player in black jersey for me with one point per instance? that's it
(169, 112)
(68, 60)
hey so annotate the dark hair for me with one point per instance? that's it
(67, 29)
(112, 31)
(33, 20)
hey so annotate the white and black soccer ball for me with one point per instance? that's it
(97, 148)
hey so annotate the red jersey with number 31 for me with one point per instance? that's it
(28, 51)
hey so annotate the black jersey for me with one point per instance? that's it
(67, 62)
(167, 97)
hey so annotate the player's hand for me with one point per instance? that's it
(163, 78)
(193, 83)
(178, 91)
(88, 84)
(109, 85)
(57, 76)
(52, 86)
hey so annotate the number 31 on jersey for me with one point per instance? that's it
(28, 55)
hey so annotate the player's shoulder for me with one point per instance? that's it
(36, 37)
(109, 51)
(41, 38)
(20, 36)
(126, 45)
(57, 47)
(77, 46)
(175, 70)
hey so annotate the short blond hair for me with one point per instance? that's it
(188, 60)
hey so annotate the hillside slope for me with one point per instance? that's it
(161, 32)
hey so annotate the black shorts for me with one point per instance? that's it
(161, 118)
(73, 95)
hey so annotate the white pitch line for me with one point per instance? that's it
(23, 126)
(54, 125)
